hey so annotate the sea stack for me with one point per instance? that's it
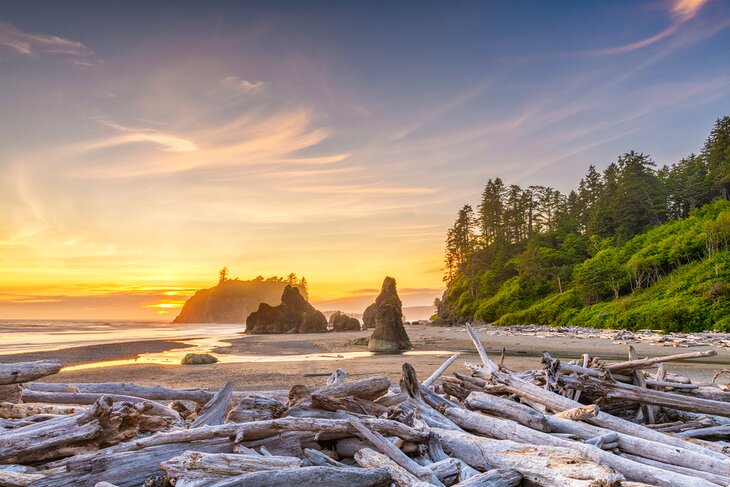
(293, 315)
(389, 334)
(339, 321)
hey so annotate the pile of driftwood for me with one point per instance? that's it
(657, 338)
(582, 423)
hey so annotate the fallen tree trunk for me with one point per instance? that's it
(648, 362)
(505, 408)
(199, 468)
(27, 371)
(311, 477)
(155, 393)
(90, 398)
(403, 478)
(547, 466)
(493, 478)
(23, 410)
(126, 469)
(214, 411)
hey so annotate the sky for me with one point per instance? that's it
(144, 146)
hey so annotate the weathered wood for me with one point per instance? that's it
(556, 402)
(639, 381)
(199, 468)
(126, 469)
(383, 445)
(402, 477)
(310, 477)
(155, 393)
(214, 411)
(643, 447)
(87, 398)
(437, 373)
(351, 404)
(692, 472)
(488, 363)
(649, 362)
(505, 408)
(581, 413)
(447, 470)
(100, 425)
(23, 410)
(17, 478)
(611, 391)
(493, 478)
(11, 393)
(315, 458)
(27, 371)
(337, 377)
(503, 429)
(542, 465)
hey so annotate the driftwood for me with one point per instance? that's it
(23, 410)
(310, 477)
(27, 371)
(493, 478)
(441, 370)
(214, 411)
(505, 408)
(198, 468)
(402, 477)
(90, 398)
(156, 393)
(544, 465)
(649, 362)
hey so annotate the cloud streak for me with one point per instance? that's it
(29, 44)
(682, 12)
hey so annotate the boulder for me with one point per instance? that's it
(389, 334)
(293, 315)
(198, 358)
(368, 317)
(339, 321)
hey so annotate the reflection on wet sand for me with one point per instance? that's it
(207, 345)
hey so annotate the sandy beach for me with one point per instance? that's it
(261, 362)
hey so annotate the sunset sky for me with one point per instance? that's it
(144, 145)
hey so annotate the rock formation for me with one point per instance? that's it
(368, 317)
(389, 334)
(230, 301)
(293, 315)
(339, 321)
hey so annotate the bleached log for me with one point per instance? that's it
(437, 373)
(581, 413)
(505, 408)
(490, 366)
(692, 472)
(155, 393)
(198, 468)
(13, 478)
(214, 411)
(403, 478)
(649, 362)
(391, 399)
(23, 410)
(503, 429)
(710, 432)
(310, 477)
(27, 371)
(542, 465)
(351, 404)
(125, 469)
(493, 478)
(87, 398)
(386, 447)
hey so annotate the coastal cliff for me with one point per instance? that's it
(231, 301)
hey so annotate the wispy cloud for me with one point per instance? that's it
(241, 86)
(682, 11)
(29, 44)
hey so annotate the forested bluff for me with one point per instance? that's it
(637, 246)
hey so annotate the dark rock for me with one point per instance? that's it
(389, 334)
(368, 317)
(293, 315)
(341, 322)
(361, 341)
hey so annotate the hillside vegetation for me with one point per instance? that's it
(634, 247)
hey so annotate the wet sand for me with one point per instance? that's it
(284, 360)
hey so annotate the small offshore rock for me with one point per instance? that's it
(361, 341)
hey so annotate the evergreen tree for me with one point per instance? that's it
(716, 153)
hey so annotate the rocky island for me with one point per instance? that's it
(293, 315)
(232, 300)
